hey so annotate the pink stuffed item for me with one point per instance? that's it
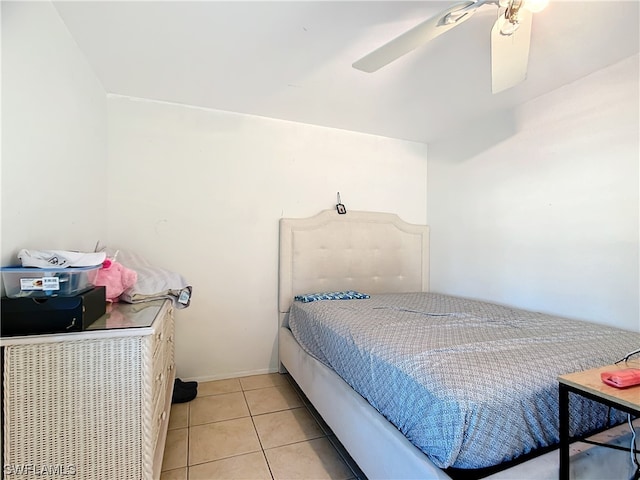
(116, 278)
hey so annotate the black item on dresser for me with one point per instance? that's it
(33, 316)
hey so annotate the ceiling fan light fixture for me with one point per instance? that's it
(507, 27)
(510, 20)
(508, 23)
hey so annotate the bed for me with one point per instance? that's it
(416, 435)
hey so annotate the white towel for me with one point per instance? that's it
(60, 258)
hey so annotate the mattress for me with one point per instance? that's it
(471, 384)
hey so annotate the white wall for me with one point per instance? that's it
(200, 192)
(546, 219)
(53, 136)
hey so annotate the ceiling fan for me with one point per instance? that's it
(510, 38)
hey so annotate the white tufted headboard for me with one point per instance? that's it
(368, 252)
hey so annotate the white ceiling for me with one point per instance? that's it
(292, 60)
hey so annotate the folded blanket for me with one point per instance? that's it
(153, 282)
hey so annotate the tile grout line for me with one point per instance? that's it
(188, 435)
(264, 454)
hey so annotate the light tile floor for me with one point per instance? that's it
(258, 427)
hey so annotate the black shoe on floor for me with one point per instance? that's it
(181, 394)
(186, 384)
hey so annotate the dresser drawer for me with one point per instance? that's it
(162, 374)
(163, 330)
(162, 359)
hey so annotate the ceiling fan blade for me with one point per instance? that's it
(510, 53)
(417, 36)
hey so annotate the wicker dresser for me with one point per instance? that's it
(92, 404)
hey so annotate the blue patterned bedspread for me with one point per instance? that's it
(471, 384)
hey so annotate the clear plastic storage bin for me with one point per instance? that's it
(46, 282)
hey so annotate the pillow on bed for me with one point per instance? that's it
(348, 295)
